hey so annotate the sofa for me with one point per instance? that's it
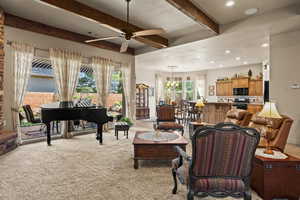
(238, 117)
(280, 129)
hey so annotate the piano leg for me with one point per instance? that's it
(48, 134)
(99, 133)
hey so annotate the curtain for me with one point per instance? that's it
(66, 67)
(128, 78)
(159, 88)
(22, 63)
(200, 86)
(102, 69)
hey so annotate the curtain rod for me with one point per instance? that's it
(47, 50)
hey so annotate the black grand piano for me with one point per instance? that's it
(66, 111)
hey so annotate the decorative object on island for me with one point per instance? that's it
(142, 101)
(269, 111)
(250, 73)
(199, 105)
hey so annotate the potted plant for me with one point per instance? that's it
(127, 120)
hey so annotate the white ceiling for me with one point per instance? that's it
(144, 13)
(198, 55)
(224, 15)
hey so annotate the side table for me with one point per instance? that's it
(276, 178)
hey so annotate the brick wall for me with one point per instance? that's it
(1, 64)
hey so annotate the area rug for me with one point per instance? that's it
(81, 169)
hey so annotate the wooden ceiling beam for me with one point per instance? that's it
(106, 20)
(189, 9)
(28, 25)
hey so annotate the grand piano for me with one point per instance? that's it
(66, 111)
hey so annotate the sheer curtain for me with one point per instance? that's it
(128, 78)
(159, 88)
(103, 69)
(21, 68)
(66, 67)
(200, 85)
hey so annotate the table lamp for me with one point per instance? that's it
(269, 112)
(199, 105)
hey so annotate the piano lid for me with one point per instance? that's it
(65, 105)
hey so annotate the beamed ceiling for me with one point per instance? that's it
(179, 25)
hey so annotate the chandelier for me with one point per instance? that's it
(172, 82)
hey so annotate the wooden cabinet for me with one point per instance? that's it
(255, 88)
(240, 82)
(142, 101)
(254, 108)
(224, 88)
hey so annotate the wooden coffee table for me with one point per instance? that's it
(148, 149)
(274, 178)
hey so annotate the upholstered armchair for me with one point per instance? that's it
(280, 129)
(238, 116)
(166, 119)
(221, 162)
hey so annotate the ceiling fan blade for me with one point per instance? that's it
(149, 32)
(99, 39)
(124, 46)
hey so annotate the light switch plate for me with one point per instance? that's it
(295, 86)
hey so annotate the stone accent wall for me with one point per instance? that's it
(1, 64)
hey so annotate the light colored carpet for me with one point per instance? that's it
(81, 169)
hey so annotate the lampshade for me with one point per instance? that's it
(200, 104)
(269, 111)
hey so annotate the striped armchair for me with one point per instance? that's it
(221, 162)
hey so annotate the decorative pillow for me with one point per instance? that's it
(236, 114)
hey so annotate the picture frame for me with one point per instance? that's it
(211, 90)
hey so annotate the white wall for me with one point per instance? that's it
(213, 75)
(285, 71)
(45, 42)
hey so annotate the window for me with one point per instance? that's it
(86, 81)
(189, 90)
(116, 82)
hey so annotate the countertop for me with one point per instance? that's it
(260, 104)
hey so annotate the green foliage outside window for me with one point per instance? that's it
(189, 86)
(86, 83)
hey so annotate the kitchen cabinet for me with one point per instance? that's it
(255, 88)
(224, 88)
(242, 82)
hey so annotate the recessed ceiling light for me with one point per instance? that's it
(212, 62)
(245, 63)
(251, 11)
(227, 51)
(265, 45)
(230, 3)
(238, 58)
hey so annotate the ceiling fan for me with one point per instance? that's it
(126, 35)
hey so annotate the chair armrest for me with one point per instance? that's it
(182, 153)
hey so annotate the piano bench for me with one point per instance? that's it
(121, 126)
